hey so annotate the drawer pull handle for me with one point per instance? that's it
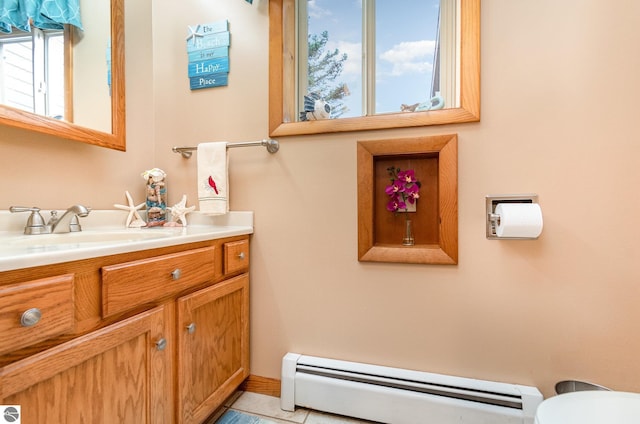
(241, 255)
(176, 274)
(30, 317)
(191, 328)
(161, 344)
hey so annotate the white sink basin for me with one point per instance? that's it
(84, 237)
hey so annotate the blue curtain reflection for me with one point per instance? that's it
(43, 14)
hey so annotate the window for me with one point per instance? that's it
(32, 72)
(375, 57)
(284, 82)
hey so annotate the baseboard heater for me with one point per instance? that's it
(398, 396)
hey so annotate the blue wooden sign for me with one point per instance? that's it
(207, 29)
(109, 66)
(208, 52)
(213, 66)
(200, 42)
(207, 81)
(219, 26)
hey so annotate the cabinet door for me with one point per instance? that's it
(213, 347)
(113, 375)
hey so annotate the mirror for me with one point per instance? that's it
(111, 134)
(285, 102)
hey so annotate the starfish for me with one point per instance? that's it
(134, 220)
(193, 33)
(180, 210)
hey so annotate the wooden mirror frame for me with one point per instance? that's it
(117, 138)
(282, 80)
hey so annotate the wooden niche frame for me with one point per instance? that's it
(435, 222)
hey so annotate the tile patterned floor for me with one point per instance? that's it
(268, 408)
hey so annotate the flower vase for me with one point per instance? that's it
(408, 233)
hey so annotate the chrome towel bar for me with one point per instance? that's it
(272, 147)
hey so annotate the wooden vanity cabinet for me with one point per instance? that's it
(160, 336)
(213, 346)
(111, 375)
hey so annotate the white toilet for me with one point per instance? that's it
(590, 407)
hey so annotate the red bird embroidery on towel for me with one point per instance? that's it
(213, 184)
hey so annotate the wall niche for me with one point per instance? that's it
(435, 221)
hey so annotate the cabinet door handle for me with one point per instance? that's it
(241, 255)
(161, 344)
(30, 317)
(176, 274)
(191, 328)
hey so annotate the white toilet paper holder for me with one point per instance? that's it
(491, 201)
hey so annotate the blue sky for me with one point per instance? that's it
(405, 41)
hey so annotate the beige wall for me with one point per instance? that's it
(559, 118)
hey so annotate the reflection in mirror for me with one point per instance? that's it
(337, 66)
(32, 71)
(76, 91)
(90, 77)
(36, 74)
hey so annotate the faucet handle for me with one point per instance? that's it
(54, 217)
(35, 223)
(23, 209)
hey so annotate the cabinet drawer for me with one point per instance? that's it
(131, 284)
(236, 256)
(36, 310)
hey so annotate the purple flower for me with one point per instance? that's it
(395, 187)
(412, 192)
(396, 202)
(392, 205)
(404, 188)
(408, 176)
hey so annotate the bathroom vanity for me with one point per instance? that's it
(147, 330)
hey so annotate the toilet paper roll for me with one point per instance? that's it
(522, 220)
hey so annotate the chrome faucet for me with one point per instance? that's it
(68, 222)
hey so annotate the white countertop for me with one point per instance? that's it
(23, 251)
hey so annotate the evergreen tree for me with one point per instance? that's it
(325, 68)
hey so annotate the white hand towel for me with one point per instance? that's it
(213, 176)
